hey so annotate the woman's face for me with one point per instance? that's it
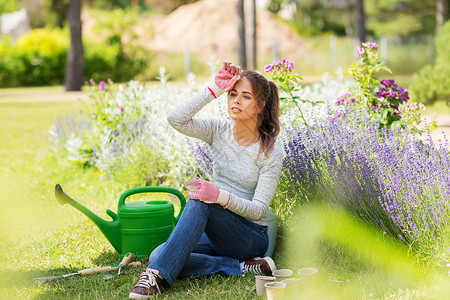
(242, 104)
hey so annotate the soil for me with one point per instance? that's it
(209, 28)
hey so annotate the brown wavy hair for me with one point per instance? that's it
(266, 93)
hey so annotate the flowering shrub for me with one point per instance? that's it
(125, 134)
(288, 84)
(381, 99)
(400, 185)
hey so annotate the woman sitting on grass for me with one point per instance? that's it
(223, 228)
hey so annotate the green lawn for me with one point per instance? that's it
(41, 238)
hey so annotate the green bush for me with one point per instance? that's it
(43, 53)
(11, 65)
(432, 83)
(99, 61)
(39, 58)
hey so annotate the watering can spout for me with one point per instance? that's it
(111, 229)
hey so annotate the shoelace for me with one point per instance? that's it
(256, 269)
(147, 279)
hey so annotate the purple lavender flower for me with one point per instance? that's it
(203, 157)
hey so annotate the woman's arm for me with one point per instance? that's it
(182, 117)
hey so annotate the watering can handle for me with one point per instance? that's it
(154, 189)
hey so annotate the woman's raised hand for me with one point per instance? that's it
(225, 79)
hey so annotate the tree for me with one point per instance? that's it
(251, 49)
(75, 57)
(242, 58)
(441, 14)
(360, 21)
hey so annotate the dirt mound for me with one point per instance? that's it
(209, 28)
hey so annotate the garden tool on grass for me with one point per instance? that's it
(125, 261)
(122, 265)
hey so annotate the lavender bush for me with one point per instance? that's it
(394, 181)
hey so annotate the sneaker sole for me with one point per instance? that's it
(138, 296)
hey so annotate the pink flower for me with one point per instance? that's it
(91, 80)
(121, 110)
(360, 51)
(102, 85)
(372, 45)
(291, 66)
(339, 101)
(268, 68)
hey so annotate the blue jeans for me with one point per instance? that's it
(208, 239)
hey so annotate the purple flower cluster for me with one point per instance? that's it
(390, 89)
(390, 95)
(399, 184)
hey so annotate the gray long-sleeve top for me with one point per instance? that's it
(251, 181)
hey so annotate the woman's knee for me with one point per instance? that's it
(155, 253)
(196, 205)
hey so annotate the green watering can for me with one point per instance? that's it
(139, 226)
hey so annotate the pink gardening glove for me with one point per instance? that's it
(225, 79)
(207, 192)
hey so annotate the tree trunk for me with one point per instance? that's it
(441, 14)
(360, 21)
(242, 59)
(75, 57)
(251, 57)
